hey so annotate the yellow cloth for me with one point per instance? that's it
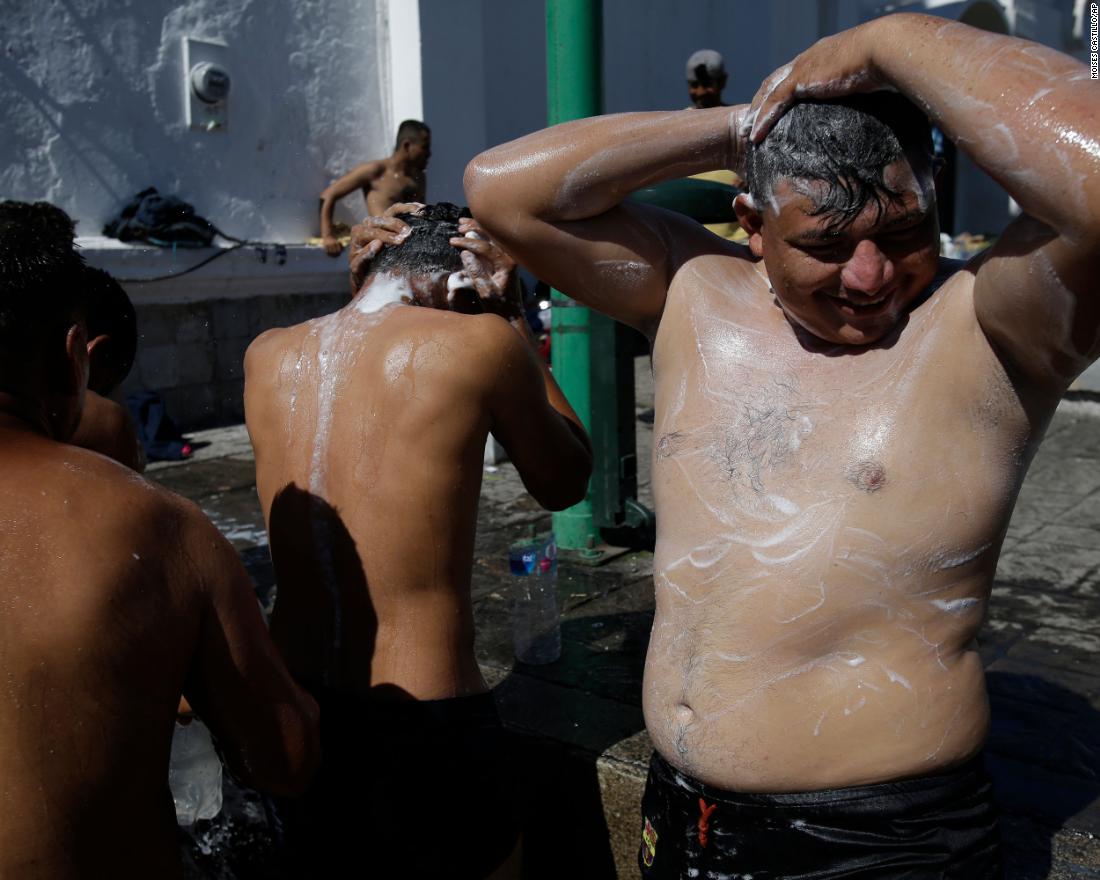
(317, 241)
(340, 231)
(729, 231)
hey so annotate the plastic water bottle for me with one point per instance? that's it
(536, 624)
(194, 774)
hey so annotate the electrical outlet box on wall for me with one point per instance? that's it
(206, 84)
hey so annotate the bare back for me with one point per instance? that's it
(828, 536)
(98, 630)
(116, 597)
(369, 431)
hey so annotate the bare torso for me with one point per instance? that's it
(828, 535)
(95, 646)
(369, 435)
(391, 186)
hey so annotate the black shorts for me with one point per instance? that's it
(406, 789)
(942, 826)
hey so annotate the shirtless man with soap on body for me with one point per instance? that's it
(843, 422)
(369, 427)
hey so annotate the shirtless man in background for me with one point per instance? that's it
(843, 421)
(398, 178)
(103, 623)
(369, 427)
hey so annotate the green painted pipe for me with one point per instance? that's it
(573, 84)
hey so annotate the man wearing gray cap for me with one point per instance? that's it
(706, 77)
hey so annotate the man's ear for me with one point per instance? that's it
(77, 349)
(751, 220)
(97, 346)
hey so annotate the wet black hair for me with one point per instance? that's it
(42, 277)
(42, 221)
(410, 129)
(428, 249)
(110, 313)
(845, 144)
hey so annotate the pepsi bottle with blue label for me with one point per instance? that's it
(536, 623)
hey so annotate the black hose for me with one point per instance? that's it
(238, 243)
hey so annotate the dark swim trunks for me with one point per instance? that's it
(410, 789)
(942, 826)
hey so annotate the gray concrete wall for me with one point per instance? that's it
(193, 352)
(483, 66)
(193, 326)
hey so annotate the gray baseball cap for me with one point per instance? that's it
(706, 64)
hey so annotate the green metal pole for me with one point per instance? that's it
(573, 37)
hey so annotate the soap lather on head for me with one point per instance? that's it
(842, 212)
(837, 153)
(429, 262)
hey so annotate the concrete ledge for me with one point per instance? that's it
(193, 328)
(237, 273)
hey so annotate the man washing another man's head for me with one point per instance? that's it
(369, 427)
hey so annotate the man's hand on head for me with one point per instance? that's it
(490, 270)
(369, 237)
(831, 68)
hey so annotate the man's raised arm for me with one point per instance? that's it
(1030, 117)
(357, 178)
(553, 200)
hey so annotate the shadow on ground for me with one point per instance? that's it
(1044, 756)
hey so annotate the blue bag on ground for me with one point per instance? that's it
(160, 438)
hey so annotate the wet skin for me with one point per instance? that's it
(842, 424)
(103, 623)
(378, 415)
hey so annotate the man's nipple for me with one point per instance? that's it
(867, 475)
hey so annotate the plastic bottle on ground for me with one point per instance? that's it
(536, 622)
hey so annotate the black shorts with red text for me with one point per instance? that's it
(941, 826)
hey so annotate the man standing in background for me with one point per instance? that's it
(706, 77)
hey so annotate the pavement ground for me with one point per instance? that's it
(579, 720)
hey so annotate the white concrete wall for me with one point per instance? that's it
(91, 106)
